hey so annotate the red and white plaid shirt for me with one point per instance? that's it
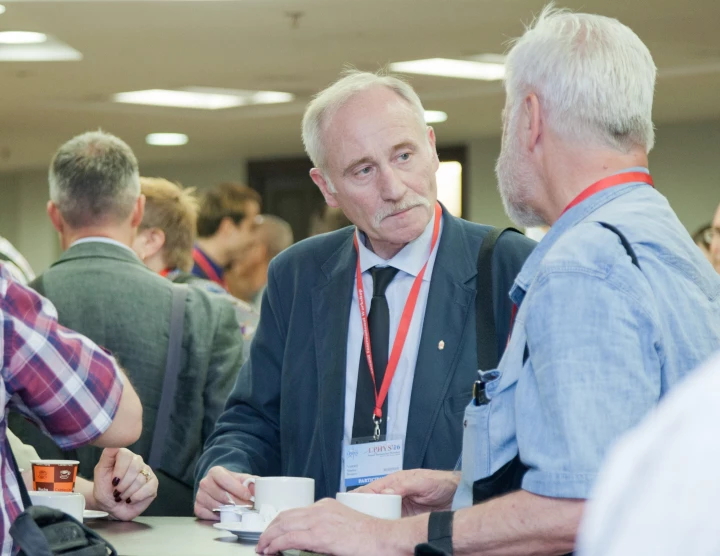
(61, 380)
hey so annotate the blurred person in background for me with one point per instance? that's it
(165, 239)
(15, 263)
(227, 218)
(247, 276)
(327, 219)
(62, 381)
(102, 289)
(703, 239)
(615, 307)
(715, 241)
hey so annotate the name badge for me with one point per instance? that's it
(369, 461)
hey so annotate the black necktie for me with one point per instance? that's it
(379, 325)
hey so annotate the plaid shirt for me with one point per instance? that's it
(59, 379)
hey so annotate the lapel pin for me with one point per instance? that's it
(441, 345)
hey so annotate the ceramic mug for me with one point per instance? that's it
(384, 506)
(72, 503)
(277, 494)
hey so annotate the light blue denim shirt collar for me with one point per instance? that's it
(569, 219)
(410, 259)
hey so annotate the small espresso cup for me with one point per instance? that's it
(384, 506)
(72, 503)
(56, 475)
(277, 494)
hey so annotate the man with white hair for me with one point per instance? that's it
(614, 307)
(368, 338)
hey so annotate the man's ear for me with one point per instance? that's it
(323, 185)
(154, 241)
(55, 217)
(535, 121)
(138, 211)
(433, 146)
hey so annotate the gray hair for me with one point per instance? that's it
(323, 106)
(275, 233)
(594, 76)
(94, 179)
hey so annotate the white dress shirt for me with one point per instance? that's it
(659, 491)
(409, 261)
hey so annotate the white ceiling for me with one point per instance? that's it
(253, 44)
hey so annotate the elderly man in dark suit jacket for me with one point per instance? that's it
(103, 290)
(308, 391)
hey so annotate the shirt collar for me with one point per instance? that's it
(219, 270)
(410, 259)
(566, 221)
(100, 239)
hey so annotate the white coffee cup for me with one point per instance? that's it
(72, 503)
(384, 506)
(282, 493)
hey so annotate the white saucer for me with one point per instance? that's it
(94, 514)
(242, 533)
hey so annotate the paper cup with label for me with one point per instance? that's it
(56, 475)
(282, 493)
(384, 506)
(72, 503)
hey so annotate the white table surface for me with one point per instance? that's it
(174, 536)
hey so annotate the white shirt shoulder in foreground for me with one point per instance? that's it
(659, 491)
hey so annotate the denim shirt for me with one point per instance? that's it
(606, 341)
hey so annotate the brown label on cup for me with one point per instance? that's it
(58, 478)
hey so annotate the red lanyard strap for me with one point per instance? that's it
(203, 262)
(607, 183)
(403, 327)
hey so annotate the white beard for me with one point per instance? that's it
(516, 181)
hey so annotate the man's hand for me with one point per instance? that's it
(422, 490)
(329, 527)
(214, 489)
(121, 486)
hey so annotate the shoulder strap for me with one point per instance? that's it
(625, 243)
(18, 477)
(486, 335)
(172, 370)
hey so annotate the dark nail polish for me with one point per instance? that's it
(116, 493)
(118, 500)
(116, 481)
(128, 501)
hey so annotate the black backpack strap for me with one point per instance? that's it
(172, 370)
(18, 477)
(625, 243)
(486, 334)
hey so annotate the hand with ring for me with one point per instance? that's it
(124, 486)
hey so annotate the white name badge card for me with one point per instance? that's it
(369, 461)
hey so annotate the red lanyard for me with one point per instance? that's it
(165, 271)
(403, 327)
(597, 187)
(207, 267)
(607, 183)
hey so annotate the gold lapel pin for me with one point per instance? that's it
(441, 345)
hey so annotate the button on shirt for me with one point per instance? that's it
(409, 261)
(58, 378)
(606, 340)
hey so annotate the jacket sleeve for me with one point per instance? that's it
(246, 438)
(226, 358)
(511, 251)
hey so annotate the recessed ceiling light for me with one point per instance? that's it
(202, 98)
(166, 139)
(435, 116)
(445, 67)
(2, 9)
(52, 50)
(22, 37)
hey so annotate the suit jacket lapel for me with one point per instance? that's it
(449, 301)
(331, 310)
